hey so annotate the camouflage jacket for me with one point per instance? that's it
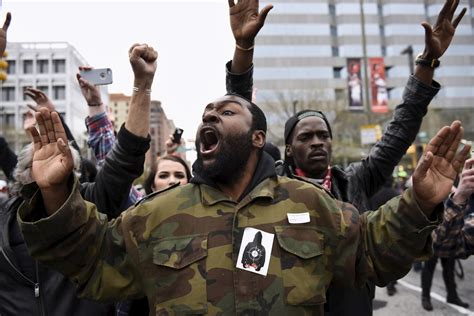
(180, 248)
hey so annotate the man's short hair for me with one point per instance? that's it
(259, 121)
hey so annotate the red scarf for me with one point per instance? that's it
(327, 182)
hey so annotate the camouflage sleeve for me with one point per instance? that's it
(395, 235)
(381, 245)
(95, 254)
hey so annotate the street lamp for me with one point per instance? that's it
(409, 52)
(295, 102)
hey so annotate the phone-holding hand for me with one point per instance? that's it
(90, 92)
(172, 146)
(40, 98)
(3, 33)
(143, 60)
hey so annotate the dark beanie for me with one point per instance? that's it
(292, 121)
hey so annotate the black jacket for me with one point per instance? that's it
(359, 181)
(29, 288)
(7, 159)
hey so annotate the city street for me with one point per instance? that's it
(407, 301)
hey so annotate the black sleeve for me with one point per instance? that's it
(123, 164)
(8, 159)
(370, 174)
(241, 84)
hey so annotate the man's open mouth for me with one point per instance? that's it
(209, 140)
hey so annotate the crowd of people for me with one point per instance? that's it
(243, 233)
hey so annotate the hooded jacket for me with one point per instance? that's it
(180, 247)
(360, 180)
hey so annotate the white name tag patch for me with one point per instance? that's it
(298, 218)
(255, 251)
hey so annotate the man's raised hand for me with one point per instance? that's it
(435, 174)
(143, 60)
(246, 21)
(438, 37)
(40, 98)
(52, 159)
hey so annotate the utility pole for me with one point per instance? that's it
(364, 57)
(295, 102)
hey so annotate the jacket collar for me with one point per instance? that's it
(258, 187)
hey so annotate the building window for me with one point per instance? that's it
(25, 97)
(335, 51)
(340, 94)
(42, 66)
(45, 89)
(336, 72)
(27, 66)
(332, 9)
(59, 66)
(11, 70)
(384, 50)
(382, 30)
(9, 120)
(59, 92)
(333, 30)
(8, 94)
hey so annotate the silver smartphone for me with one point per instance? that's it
(97, 77)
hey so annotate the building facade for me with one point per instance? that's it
(160, 126)
(50, 67)
(303, 48)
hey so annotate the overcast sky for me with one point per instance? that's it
(193, 40)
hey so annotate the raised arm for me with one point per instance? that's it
(245, 22)
(143, 60)
(111, 190)
(100, 129)
(399, 232)
(437, 40)
(52, 159)
(42, 100)
(405, 124)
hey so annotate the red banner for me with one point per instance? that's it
(378, 85)
(354, 84)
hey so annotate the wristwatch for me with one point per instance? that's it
(432, 63)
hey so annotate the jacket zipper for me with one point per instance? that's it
(37, 290)
(36, 285)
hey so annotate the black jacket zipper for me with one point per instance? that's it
(35, 285)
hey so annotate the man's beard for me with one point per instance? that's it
(230, 162)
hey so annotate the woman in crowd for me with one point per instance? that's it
(167, 171)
